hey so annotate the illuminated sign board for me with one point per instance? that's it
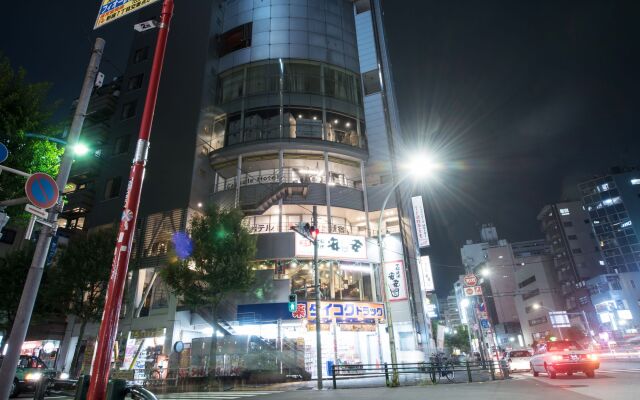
(347, 311)
(426, 276)
(396, 283)
(110, 10)
(420, 221)
(333, 246)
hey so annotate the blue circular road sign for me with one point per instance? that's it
(4, 153)
(41, 190)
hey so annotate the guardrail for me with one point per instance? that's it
(437, 372)
(118, 388)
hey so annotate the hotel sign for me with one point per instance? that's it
(347, 311)
(420, 221)
(333, 246)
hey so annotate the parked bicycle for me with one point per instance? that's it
(439, 367)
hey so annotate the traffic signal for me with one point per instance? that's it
(293, 302)
(311, 231)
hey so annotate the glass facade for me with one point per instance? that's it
(288, 99)
(612, 225)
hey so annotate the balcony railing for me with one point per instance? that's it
(289, 175)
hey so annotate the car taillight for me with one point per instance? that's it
(556, 358)
(592, 357)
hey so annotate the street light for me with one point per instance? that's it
(485, 272)
(420, 166)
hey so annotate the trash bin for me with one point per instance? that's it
(330, 368)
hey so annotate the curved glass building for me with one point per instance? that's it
(274, 107)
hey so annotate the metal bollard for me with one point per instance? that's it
(493, 370)
(335, 372)
(82, 388)
(386, 373)
(40, 389)
(116, 389)
(469, 372)
(504, 365)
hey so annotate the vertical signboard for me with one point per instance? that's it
(426, 276)
(395, 280)
(420, 221)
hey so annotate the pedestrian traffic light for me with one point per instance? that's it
(293, 302)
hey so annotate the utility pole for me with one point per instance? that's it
(30, 292)
(310, 232)
(109, 325)
(317, 289)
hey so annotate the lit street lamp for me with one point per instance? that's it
(419, 167)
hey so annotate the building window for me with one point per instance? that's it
(235, 39)
(371, 82)
(567, 224)
(572, 237)
(537, 321)
(77, 223)
(112, 188)
(635, 181)
(528, 309)
(121, 145)
(8, 236)
(527, 281)
(362, 6)
(135, 82)
(531, 294)
(564, 211)
(128, 110)
(406, 341)
(141, 54)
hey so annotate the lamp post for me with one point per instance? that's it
(418, 168)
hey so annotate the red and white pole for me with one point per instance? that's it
(109, 326)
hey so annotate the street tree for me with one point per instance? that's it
(24, 108)
(13, 270)
(458, 338)
(78, 281)
(215, 263)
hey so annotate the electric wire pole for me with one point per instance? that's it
(30, 292)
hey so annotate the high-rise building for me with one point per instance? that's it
(614, 213)
(537, 289)
(576, 257)
(493, 262)
(273, 108)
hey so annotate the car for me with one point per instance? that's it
(518, 360)
(563, 357)
(30, 370)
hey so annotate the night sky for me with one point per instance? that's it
(521, 100)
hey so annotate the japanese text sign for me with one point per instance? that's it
(110, 10)
(395, 281)
(333, 246)
(347, 311)
(421, 221)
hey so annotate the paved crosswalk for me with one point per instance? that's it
(213, 395)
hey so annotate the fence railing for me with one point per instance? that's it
(436, 372)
